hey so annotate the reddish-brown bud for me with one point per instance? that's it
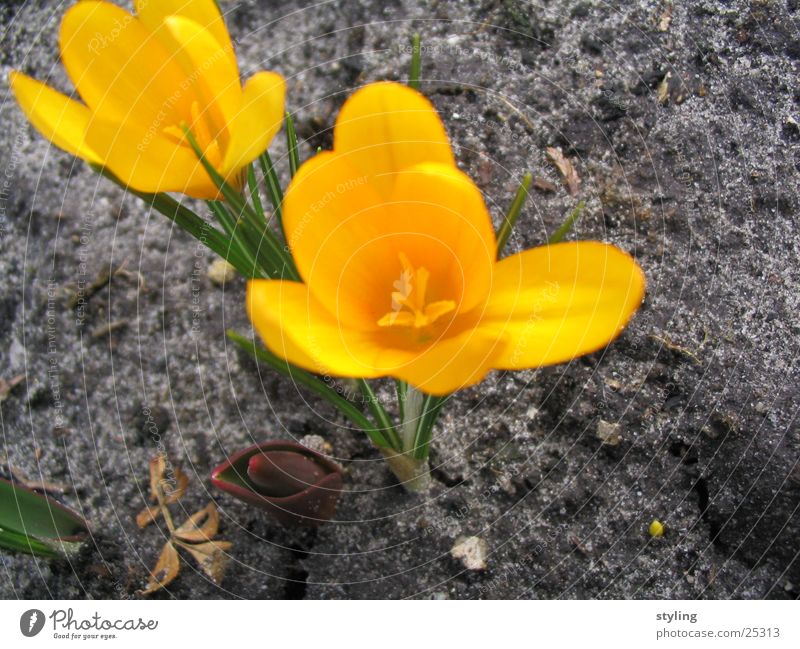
(296, 485)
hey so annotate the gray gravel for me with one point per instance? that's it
(698, 179)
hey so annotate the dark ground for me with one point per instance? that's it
(700, 184)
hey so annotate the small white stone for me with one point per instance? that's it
(471, 551)
(608, 433)
(316, 443)
(221, 272)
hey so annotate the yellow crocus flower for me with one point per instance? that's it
(398, 258)
(143, 78)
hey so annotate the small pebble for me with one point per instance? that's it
(608, 433)
(656, 529)
(316, 443)
(220, 272)
(471, 551)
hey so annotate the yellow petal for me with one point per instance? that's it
(155, 163)
(349, 247)
(296, 327)
(449, 364)
(207, 66)
(60, 119)
(334, 221)
(438, 219)
(258, 119)
(554, 303)
(386, 127)
(204, 12)
(120, 69)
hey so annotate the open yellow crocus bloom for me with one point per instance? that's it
(398, 258)
(144, 77)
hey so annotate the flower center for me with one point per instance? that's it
(409, 305)
(201, 129)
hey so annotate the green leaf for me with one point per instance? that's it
(238, 232)
(278, 257)
(256, 199)
(37, 524)
(273, 188)
(566, 226)
(380, 414)
(187, 220)
(416, 62)
(513, 213)
(431, 407)
(291, 142)
(313, 383)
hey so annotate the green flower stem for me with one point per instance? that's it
(566, 226)
(416, 62)
(414, 474)
(313, 383)
(380, 414)
(513, 213)
(291, 142)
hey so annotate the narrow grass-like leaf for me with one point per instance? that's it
(380, 414)
(431, 408)
(512, 215)
(280, 258)
(252, 185)
(253, 268)
(416, 62)
(401, 389)
(274, 190)
(313, 383)
(291, 144)
(185, 219)
(566, 226)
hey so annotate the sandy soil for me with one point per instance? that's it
(696, 175)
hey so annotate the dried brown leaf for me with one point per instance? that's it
(173, 492)
(212, 557)
(157, 467)
(543, 185)
(565, 167)
(147, 515)
(203, 525)
(172, 487)
(167, 568)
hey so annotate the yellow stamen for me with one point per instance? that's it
(411, 297)
(208, 144)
